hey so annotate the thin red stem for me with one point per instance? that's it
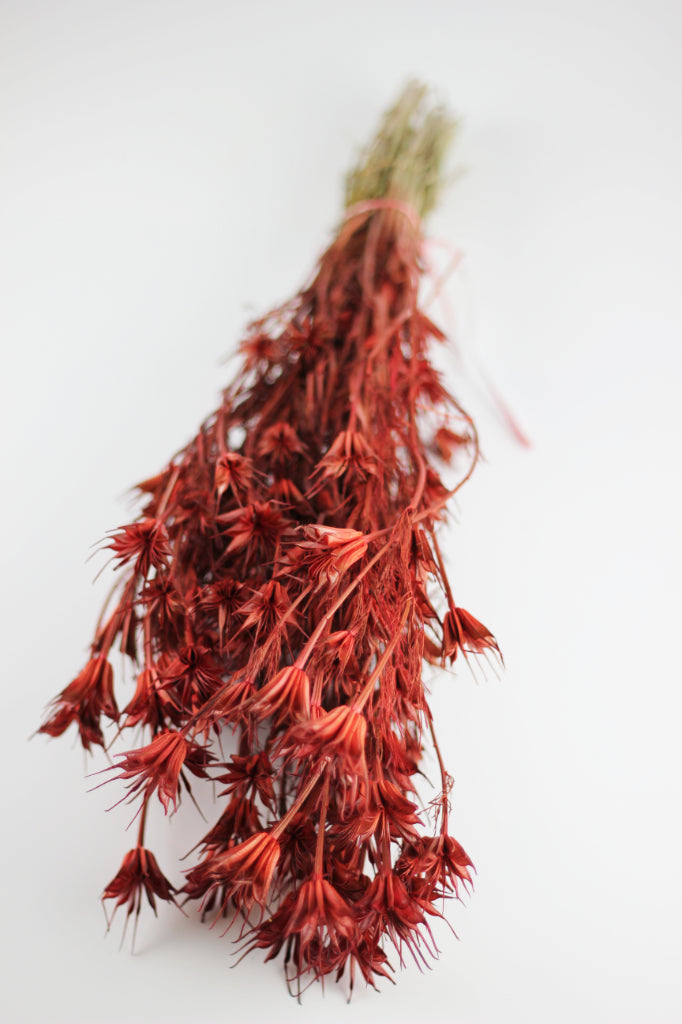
(319, 850)
(143, 821)
(328, 615)
(368, 688)
(299, 801)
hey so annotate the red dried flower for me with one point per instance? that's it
(145, 542)
(328, 552)
(286, 695)
(149, 705)
(266, 608)
(255, 528)
(139, 873)
(342, 643)
(223, 597)
(439, 860)
(338, 734)
(462, 632)
(250, 775)
(232, 470)
(387, 907)
(321, 923)
(191, 676)
(317, 928)
(244, 872)
(280, 443)
(284, 579)
(158, 766)
(84, 701)
(350, 455)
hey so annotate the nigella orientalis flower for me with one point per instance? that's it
(338, 735)
(281, 591)
(286, 696)
(243, 872)
(84, 701)
(158, 767)
(138, 875)
(462, 632)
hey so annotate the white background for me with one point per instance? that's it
(169, 169)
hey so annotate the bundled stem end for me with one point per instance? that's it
(404, 160)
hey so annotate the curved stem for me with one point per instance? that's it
(433, 510)
(443, 773)
(368, 688)
(421, 483)
(443, 575)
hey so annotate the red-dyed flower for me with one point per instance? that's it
(462, 632)
(139, 873)
(328, 552)
(343, 644)
(439, 860)
(191, 676)
(223, 597)
(371, 960)
(286, 694)
(259, 349)
(388, 907)
(351, 455)
(266, 607)
(158, 766)
(339, 734)
(256, 527)
(297, 843)
(360, 827)
(249, 774)
(90, 695)
(149, 704)
(146, 542)
(316, 926)
(319, 917)
(245, 872)
(161, 597)
(400, 813)
(280, 443)
(233, 471)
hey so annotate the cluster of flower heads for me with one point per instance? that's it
(283, 586)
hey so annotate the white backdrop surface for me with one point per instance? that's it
(170, 169)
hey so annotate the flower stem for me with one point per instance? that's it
(299, 801)
(143, 820)
(328, 615)
(323, 821)
(368, 688)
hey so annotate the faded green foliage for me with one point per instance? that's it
(404, 160)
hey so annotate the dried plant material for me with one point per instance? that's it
(284, 582)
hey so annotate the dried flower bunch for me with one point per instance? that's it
(283, 587)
